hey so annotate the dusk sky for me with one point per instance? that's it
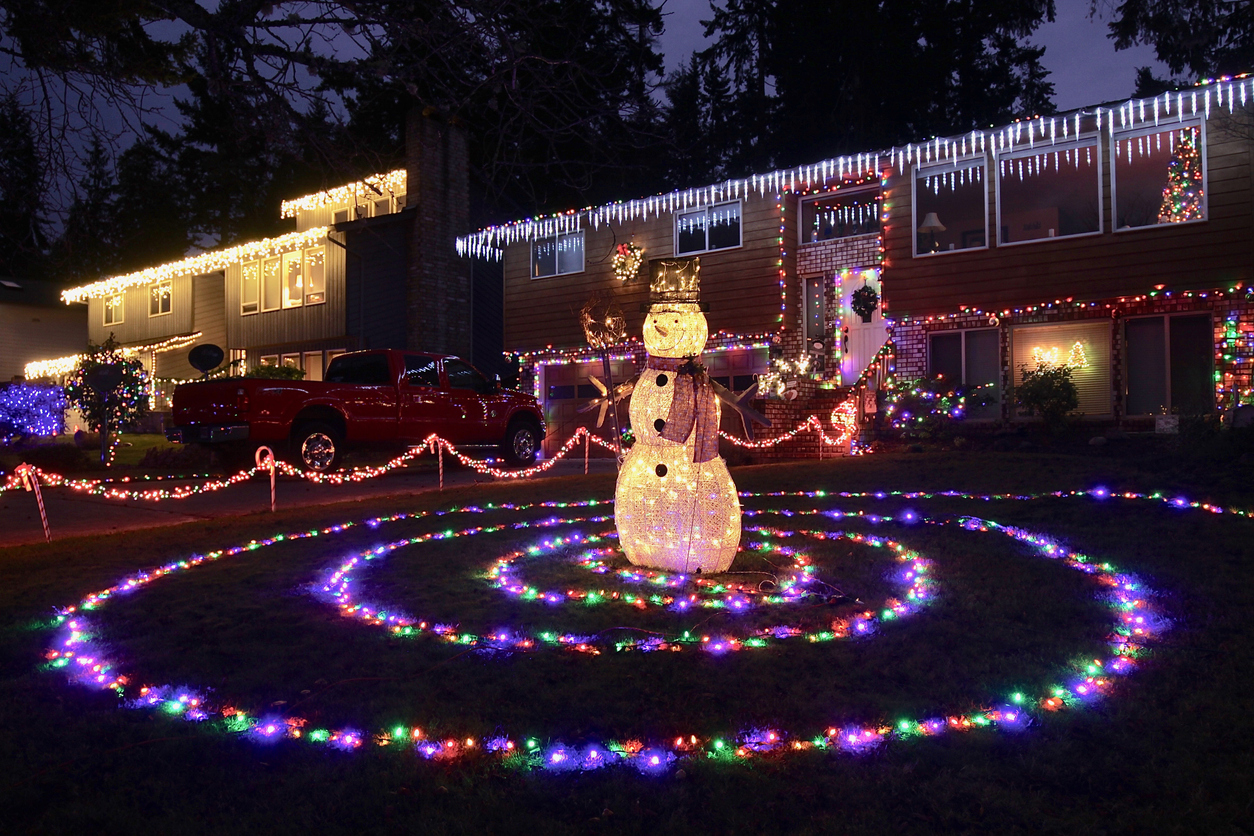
(1083, 63)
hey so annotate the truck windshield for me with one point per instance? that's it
(364, 369)
(464, 376)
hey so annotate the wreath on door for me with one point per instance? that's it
(864, 301)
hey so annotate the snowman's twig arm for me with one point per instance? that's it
(740, 403)
(621, 391)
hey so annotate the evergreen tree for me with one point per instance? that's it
(151, 215)
(23, 242)
(1182, 197)
(88, 246)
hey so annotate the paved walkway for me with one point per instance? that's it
(75, 514)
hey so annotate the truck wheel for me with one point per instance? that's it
(522, 442)
(317, 446)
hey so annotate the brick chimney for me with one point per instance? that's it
(438, 292)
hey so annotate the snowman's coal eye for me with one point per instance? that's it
(676, 320)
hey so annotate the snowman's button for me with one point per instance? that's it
(660, 470)
(662, 379)
(659, 424)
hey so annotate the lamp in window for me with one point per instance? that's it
(932, 225)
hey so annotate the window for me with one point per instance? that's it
(950, 208)
(114, 310)
(1084, 346)
(340, 216)
(969, 359)
(159, 296)
(1050, 193)
(293, 286)
(712, 228)
(382, 206)
(362, 369)
(270, 360)
(463, 376)
(421, 370)
(840, 215)
(814, 312)
(313, 365)
(289, 281)
(291, 361)
(250, 287)
(1159, 177)
(1170, 364)
(557, 255)
(315, 276)
(271, 284)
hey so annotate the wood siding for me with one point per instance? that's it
(1217, 252)
(137, 326)
(741, 285)
(208, 317)
(30, 332)
(288, 325)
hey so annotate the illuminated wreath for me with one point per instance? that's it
(626, 262)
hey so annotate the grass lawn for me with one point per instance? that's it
(1167, 751)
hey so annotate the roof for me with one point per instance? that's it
(1167, 107)
(28, 292)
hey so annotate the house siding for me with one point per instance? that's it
(137, 326)
(29, 333)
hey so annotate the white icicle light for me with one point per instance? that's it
(673, 513)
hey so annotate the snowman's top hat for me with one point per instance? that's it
(674, 281)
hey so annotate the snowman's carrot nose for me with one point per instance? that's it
(660, 330)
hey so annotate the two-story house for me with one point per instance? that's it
(1116, 239)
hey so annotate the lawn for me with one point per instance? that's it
(1166, 750)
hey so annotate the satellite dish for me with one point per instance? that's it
(205, 357)
(104, 379)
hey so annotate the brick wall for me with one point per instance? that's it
(827, 257)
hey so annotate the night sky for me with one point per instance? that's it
(1083, 63)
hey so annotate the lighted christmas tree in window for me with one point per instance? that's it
(1182, 198)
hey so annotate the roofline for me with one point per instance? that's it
(1174, 105)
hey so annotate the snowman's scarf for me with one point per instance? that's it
(693, 406)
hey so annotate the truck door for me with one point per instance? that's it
(469, 394)
(368, 393)
(424, 409)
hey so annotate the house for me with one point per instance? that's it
(370, 264)
(1115, 239)
(35, 324)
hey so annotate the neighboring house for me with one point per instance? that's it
(1117, 239)
(370, 265)
(34, 324)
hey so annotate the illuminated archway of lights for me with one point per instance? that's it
(1136, 621)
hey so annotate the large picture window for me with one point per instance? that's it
(160, 296)
(1049, 193)
(843, 214)
(288, 280)
(1170, 363)
(557, 255)
(970, 359)
(1159, 177)
(950, 208)
(1084, 346)
(712, 228)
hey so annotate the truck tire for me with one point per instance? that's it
(521, 444)
(317, 446)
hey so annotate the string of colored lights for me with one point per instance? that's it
(917, 588)
(1136, 623)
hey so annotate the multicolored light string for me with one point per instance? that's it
(1136, 622)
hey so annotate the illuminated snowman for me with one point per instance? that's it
(675, 504)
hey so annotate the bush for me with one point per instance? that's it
(189, 457)
(930, 408)
(276, 373)
(1048, 391)
(56, 458)
(30, 410)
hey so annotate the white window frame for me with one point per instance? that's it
(169, 298)
(1087, 140)
(305, 286)
(556, 238)
(257, 301)
(1163, 126)
(304, 260)
(920, 172)
(740, 231)
(1001, 383)
(802, 241)
(120, 308)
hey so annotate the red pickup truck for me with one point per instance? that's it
(386, 397)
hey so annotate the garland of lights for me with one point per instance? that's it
(1136, 623)
(626, 261)
(916, 583)
(64, 365)
(369, 188)
(1175, 106)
